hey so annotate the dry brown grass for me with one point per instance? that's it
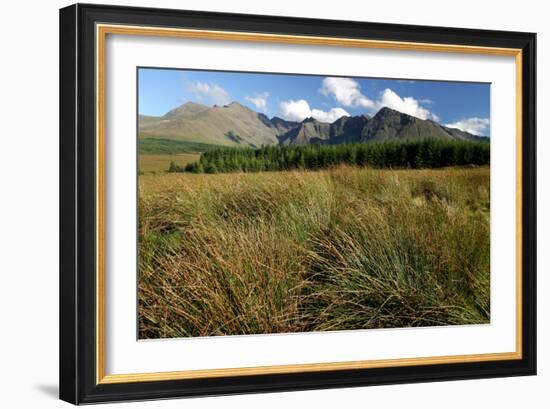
(345, 248)
(159, 163)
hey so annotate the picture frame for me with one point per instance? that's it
(83, 180)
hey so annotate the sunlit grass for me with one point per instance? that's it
(160, 163)
(346, 248)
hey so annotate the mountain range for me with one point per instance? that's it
(236, 125)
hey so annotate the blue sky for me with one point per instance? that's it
(295, 97)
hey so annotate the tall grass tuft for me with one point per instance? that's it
(338, 249)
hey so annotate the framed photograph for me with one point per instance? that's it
(257, 203)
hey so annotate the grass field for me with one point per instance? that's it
(338, 249)
(171, 146)
(155, 154)
(159, 163)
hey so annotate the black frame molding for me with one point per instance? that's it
(78, 210)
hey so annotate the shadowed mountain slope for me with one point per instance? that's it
(390, 124)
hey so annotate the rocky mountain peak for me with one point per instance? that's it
(386, 111)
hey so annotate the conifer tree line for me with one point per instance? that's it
(428, 153)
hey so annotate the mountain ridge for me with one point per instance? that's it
(237, 125)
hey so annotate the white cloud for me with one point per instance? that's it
(406, 105)
(209, 93)
(300, 110)
(330, 116)
(259, 100)
(346, 91)
(295, 110)
(474, 125)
